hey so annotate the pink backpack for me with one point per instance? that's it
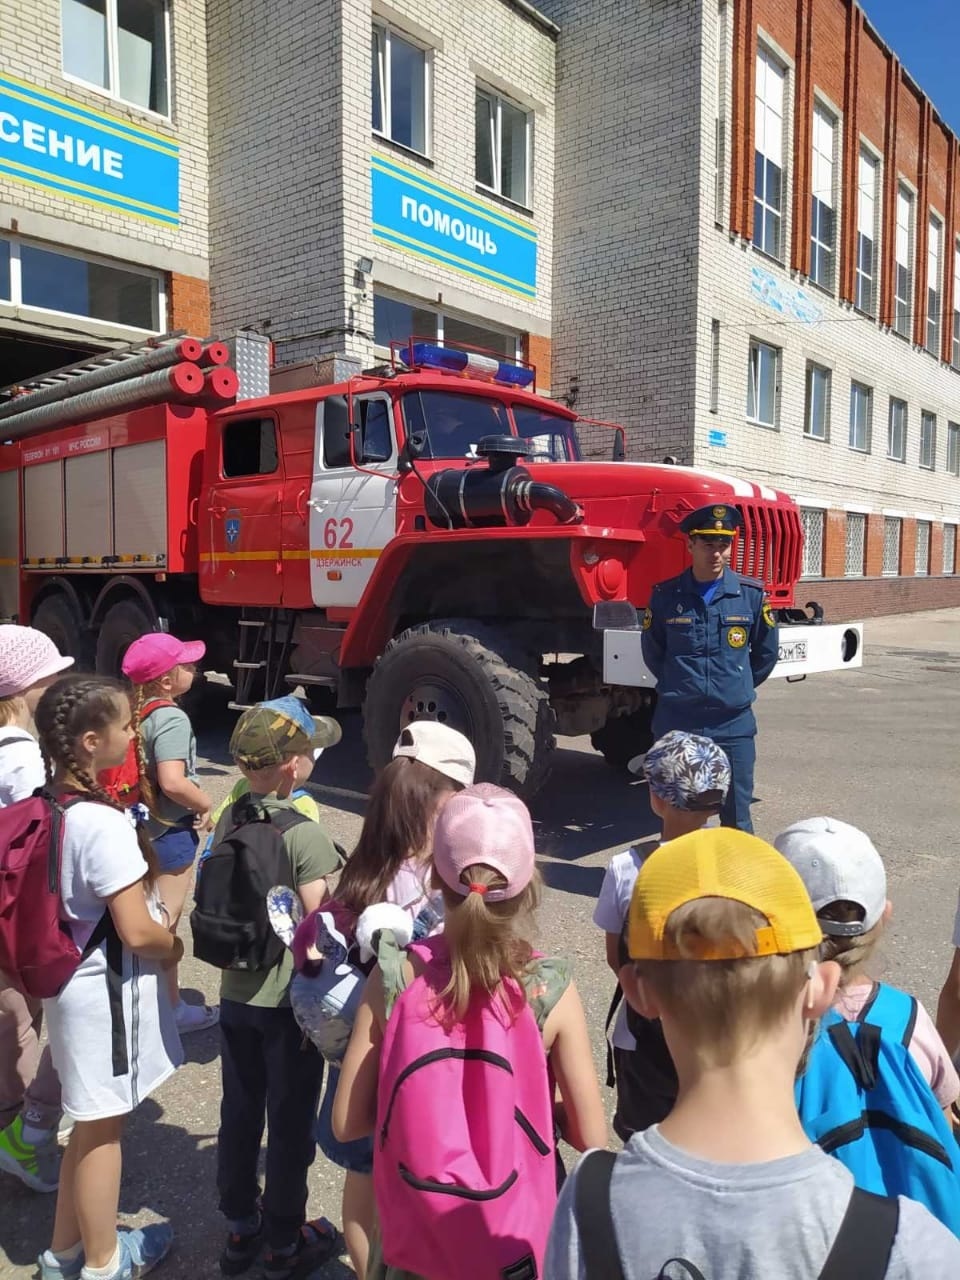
(464, 1173)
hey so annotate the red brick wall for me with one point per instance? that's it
(834, 544)
(536, 350)
(874, 557)
(188, 305)
(847, 599)
(908, 547)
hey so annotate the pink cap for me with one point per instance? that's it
(153, 655)
(27, 656)
(485, 824)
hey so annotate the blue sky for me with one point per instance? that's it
(926, 37)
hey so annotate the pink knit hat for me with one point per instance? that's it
(26, 656)
(485, 824)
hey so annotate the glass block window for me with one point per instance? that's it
(812, 520)
(891, 546)
(856, 545)
(949, 548)
(921, 563)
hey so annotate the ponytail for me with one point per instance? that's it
(148, 792)
(487, 948)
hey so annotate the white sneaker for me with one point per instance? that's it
(195, 1017)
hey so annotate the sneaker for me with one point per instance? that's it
(37, 1165)
(51, 1269)
(241, 1251)
(195, 1017)
(317, 1242)
(141, 1249)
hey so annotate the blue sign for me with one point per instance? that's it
(53, 142)
(717, 438)
(432, 220)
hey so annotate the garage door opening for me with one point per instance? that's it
(22, 358)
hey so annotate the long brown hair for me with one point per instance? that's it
(142, 694)
(74, 706)
(397, 827)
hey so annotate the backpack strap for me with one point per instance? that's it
(594, 1217)
(611, 1014)
(894, 1010)
(864, 1242)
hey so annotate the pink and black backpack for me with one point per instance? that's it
(464, 1167)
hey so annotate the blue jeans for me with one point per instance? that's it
(356, 1156)
(176, 848)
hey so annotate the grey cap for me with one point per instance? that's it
(837, 863)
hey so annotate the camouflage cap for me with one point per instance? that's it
(268, 733)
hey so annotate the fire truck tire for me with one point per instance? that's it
(123, 623)
(469, 676)
(624, 737)
(57, 618)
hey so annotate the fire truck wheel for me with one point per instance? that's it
(124, 622)
(624, 737)
(468, 676)
(57, 618)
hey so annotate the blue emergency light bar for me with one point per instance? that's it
(429, 356)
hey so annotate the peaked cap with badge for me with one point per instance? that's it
(715, 521)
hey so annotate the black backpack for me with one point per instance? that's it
(861, 1249)
(231, 929)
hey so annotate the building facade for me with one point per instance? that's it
(103, 177)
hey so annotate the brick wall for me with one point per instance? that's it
(537, 350)
(834, 544)
(847, 599)
(188, 305)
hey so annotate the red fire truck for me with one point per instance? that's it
(419, 540)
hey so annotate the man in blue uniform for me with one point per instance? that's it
(710, 639)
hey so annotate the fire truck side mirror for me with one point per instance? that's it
(413, 448)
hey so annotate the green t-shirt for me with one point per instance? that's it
(312, 856)
(168, 735)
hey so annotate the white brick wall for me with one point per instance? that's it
(31, 51)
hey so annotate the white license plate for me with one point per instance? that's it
(793, 651)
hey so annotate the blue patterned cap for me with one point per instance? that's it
(688, 771)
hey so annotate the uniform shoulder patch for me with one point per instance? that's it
(767, 612)
(647, 619)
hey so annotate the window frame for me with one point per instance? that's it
(16, 283)
(386, 108)
(113, 61)
(440, 316)
(949, 564)
(819, 246)
(928, 436)
(813, 372)
(761, 205)
(855, 519)
(499, 99)
(888, 523)
(953, 448)
(866, 446)
(903, 300)
(955, 348)
(230, 426)
(921, 564)
(866, 158)
(821, 516)
(902, 455)
(753, 382)
(933, 310)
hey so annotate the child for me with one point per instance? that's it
(107, 1063)
(391, 863)
(689, 777)
(478, 984)
(160, 666)
(726, 946)
(266, 1068)
(845, 878)
(29, 1088)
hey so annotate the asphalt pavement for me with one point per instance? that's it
(878, 747)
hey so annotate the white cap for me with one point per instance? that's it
(837, 863)
(439, 747)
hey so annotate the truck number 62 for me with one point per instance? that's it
(338, 533)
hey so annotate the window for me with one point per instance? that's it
(955, 356)
(119, 46)
(336, 442)
(768, 194)
(395, 320)
(953, 448)
(812, 520)
(714, 366)
(928, 440)
(921, 559)
(503, 146)
(250, 448)
(949, 548)
(816, 423)
(891, 546)
(866, 233)
(861, 416)
(80, 286)
(763, 377)
(475, 336)
(903, 283)
(855, 545)
(822, 228)
(400, 90)
(720, 122)
(933, 287)
(897, 430)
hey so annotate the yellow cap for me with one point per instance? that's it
(721, 863)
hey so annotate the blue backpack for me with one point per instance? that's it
(864, 1099)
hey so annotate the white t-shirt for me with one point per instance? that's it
(101, 856)
(21, 765)
(610, 915)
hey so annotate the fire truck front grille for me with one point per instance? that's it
(769, 547)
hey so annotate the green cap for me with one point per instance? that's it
(268, 733)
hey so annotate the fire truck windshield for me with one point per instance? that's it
(453, 425)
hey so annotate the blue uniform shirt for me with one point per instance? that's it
(708, 658)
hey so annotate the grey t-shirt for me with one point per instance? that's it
(738, 1222)
(168, 735)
